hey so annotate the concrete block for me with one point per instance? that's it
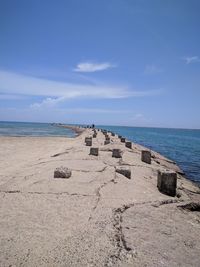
(128, 144)
(62, 172)
(124, 171)
(112, 134)
(88, 138)
(167, 182)
(116, 153)
(106, 142)
(146, 156)
(94, 151)
(123, 140)
(88, 142)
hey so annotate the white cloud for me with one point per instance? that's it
(189, 60)
(93, 67)
(152, 69)
(54, 91)
(48, 102)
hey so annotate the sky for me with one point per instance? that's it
(107, 62)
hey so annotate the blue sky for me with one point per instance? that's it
(114, 62)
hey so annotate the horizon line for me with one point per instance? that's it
(98, 125)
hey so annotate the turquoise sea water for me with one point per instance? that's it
(180, 145)
(33, 129)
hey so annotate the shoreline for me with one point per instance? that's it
(98, 216)
(78, 130)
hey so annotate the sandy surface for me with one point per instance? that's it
(97, 217)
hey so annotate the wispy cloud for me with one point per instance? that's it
(152, 69)
(82, 110)
(190, 60)
(93, 67)
(52, 102)
(12, 83)
(55, 91)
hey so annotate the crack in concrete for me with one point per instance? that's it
(112, 165)
(45, 193)
(44, 162)
(59, 154)
(101, 170)
(98, 195)
(122, 163)
(123, 250)
(64, 152)
(157, 204)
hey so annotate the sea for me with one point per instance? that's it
(179, 145)
(33, 129)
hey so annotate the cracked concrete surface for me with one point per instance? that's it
(97, 217)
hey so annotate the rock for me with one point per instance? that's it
(124, 171)
(116, 153)
(113, 134)
(167, 182)
(107, 138)
(94, 135)
(88, 142)
(146, 156)
(94, 151)
(106, 142)
(178, 194)
(128, 144)
(192, 206)
(62, 172)
(119, 136)
(123, 140)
